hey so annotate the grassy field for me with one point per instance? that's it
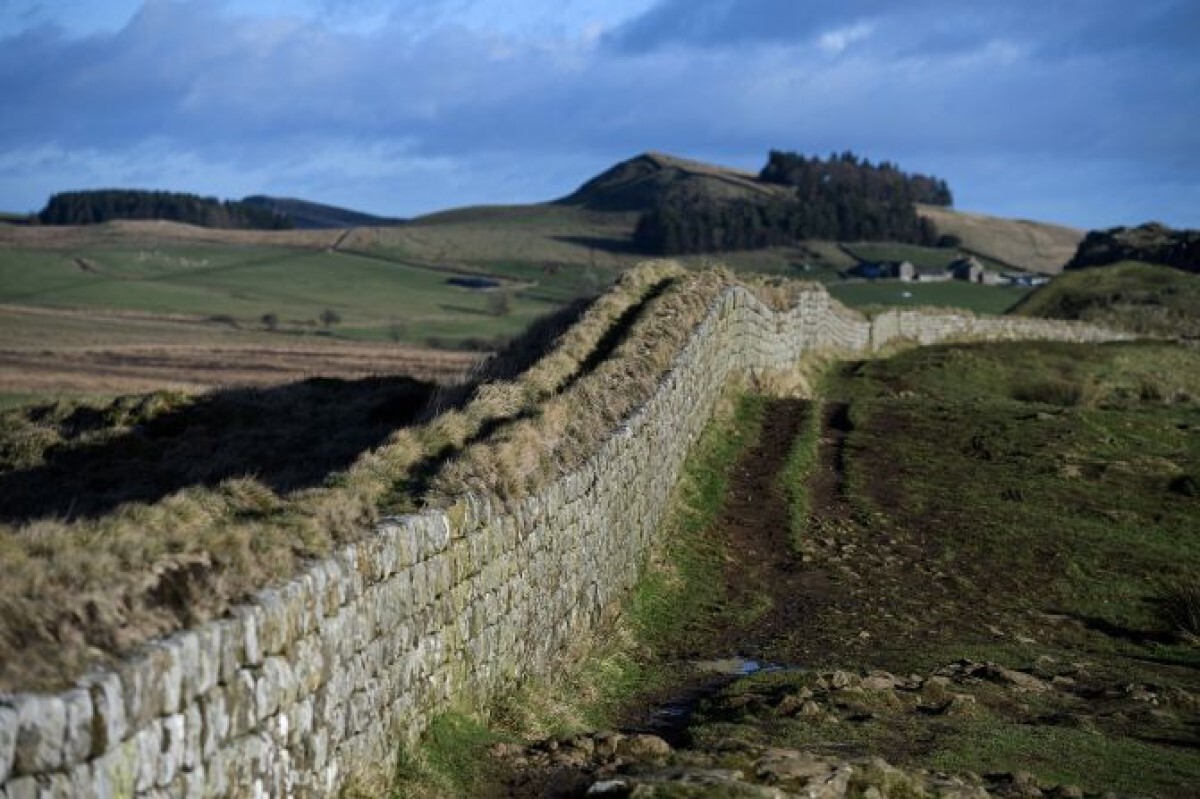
(372, 298)
(929, 258)
(1142, 298)
(1013, 532)
(989, 573)
(953, 293)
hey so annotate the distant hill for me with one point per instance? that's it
(306, 215)
(1034, 246)
(1142, 298)
(1152, 243)
(105, 205)
(647, 181)
(687, 207)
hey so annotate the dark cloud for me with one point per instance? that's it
(412, 119)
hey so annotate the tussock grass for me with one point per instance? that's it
(80, 589)
(1179, 601)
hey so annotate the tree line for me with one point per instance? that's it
(842, 198)
(93, 207)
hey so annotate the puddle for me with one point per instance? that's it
(735, 667)
(703, 678)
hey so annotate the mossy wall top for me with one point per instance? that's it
(328, 674)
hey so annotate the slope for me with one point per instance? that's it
(1034, 246)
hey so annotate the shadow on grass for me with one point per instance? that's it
(288, 437)
(622, 246)
(291, 437)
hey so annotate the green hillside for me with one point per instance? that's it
(240, 285)
(1142, 298)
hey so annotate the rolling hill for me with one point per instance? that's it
(306, 215)
(1034, 246)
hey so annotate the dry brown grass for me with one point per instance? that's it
(57, 237)
(1036, 246)
(74, 592)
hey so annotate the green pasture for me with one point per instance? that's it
(952, 294)
(372, 298)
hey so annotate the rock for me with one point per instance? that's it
(879, 681)
(1017, 679)
(8, 741)
(606, 743)
(609, 788)
(41, 733)
(841, 680)
(785, 765)
(643, 747)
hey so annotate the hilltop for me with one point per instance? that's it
(647, 181)
(1152, 243)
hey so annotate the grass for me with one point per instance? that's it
(951, 294)
(674, 591)
(1142, 298)
(546, 405)
(447, 762)
(1035, 482)
(1013, 535)
(925, 258)
(798, 470)
(242, 284)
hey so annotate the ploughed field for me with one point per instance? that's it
(963, 571)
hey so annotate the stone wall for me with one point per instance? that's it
(327, 675)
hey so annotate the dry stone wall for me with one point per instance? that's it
(327, 675)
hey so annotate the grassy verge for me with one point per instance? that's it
(675, 591)
(798, 471)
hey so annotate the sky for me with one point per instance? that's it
(1083, 112)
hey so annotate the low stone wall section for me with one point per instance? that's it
(326, 676)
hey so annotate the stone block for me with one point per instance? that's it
(352, 578)
(172, 743)
(217, 723)
(77, 745)
(308, 666)
(241, 703)
(249, 649)
(275, 633)
(23, 788)
(109, 719)
(9, 725)
(299, 596)
(275, 687)
(41, 733)
(193, 745)
(185, 651)
(147, 747)
(140, 690)
(207, 668)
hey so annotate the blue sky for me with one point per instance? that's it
(1085, 112)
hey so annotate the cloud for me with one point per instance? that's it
(377, 111)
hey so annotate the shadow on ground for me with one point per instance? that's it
(288, 437)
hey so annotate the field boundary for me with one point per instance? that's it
(318, 681)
